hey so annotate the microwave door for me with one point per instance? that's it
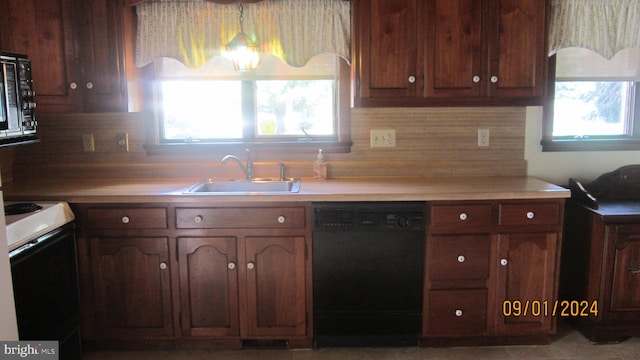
(4, 122)
(12, 119)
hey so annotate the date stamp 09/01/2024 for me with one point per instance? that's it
(545, 308)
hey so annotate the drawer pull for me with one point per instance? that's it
(281, 219)
(125, 219)
(459, 313)
(198, 219)
(231, 265)
(461, 258)
(504, 262)
(463, 216)
(163, 265)
(251, 266)
(530, 215)
(634, 268)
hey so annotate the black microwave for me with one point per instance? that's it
(17, 100)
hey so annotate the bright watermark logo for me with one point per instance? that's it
(45, 350)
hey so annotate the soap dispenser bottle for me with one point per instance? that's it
(320, 167)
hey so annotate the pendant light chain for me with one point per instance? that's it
(241, 17)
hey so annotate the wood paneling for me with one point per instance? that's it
(430, 142)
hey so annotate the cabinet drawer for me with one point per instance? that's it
(461, 215)
(529, 214)
(245, 218)
(457, 312)
(127, 218)
(459, 257)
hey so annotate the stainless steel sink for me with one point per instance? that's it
(211, 186)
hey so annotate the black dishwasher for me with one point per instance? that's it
(368, 266)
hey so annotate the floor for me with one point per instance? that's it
(568, 344)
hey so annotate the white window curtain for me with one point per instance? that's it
(603, 26)
(195, 31)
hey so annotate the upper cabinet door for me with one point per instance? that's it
(453, 52)
(518, 53)
(76, 49)
(104, 80)
(43, 30)
(449, 52)
(385, 41)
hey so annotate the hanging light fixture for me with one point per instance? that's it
(243, 50)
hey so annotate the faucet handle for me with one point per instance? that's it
(282, 168)
(249, 164)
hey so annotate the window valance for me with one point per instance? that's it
(195, 31)
(604, 26)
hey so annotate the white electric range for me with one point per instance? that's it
(25, 227)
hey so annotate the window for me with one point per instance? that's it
(275, 105)
(593, 103)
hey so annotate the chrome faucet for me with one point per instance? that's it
(246, 169)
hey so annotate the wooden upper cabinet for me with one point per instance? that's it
(449, 52)
(76, 49)
(518, 54)
(43, 30)
(102, 56)
(453, 53)
(386, 37)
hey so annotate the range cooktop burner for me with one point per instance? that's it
(21, 208)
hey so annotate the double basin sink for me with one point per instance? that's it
(210, 187)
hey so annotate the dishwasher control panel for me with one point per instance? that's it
(369, 215)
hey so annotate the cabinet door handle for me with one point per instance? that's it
(476, 79)
(461, 258)
(459, 312)
(494, 79)
(125, 219)
(231, 265)
(73, 85)
(504, 262)
(281, 219)
(163, 265)
(251, 265)
(531, 215)
(463, 216)
(89, 85)
(634, 267)
(411, 79)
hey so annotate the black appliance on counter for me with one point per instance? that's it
(368, 266)
(17, 100)
(42, 254)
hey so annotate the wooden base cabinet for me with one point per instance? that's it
(486, 261)
(171, 276)
(601, 269)
(264, 286)
(132, 290)
(209, 286)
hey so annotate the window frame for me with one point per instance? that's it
(154, 146)
(598, 143)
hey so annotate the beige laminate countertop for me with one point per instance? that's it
(360, 189)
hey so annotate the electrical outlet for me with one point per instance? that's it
(88, 144)
(383, 138)
(122, 141)
(483, 137)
